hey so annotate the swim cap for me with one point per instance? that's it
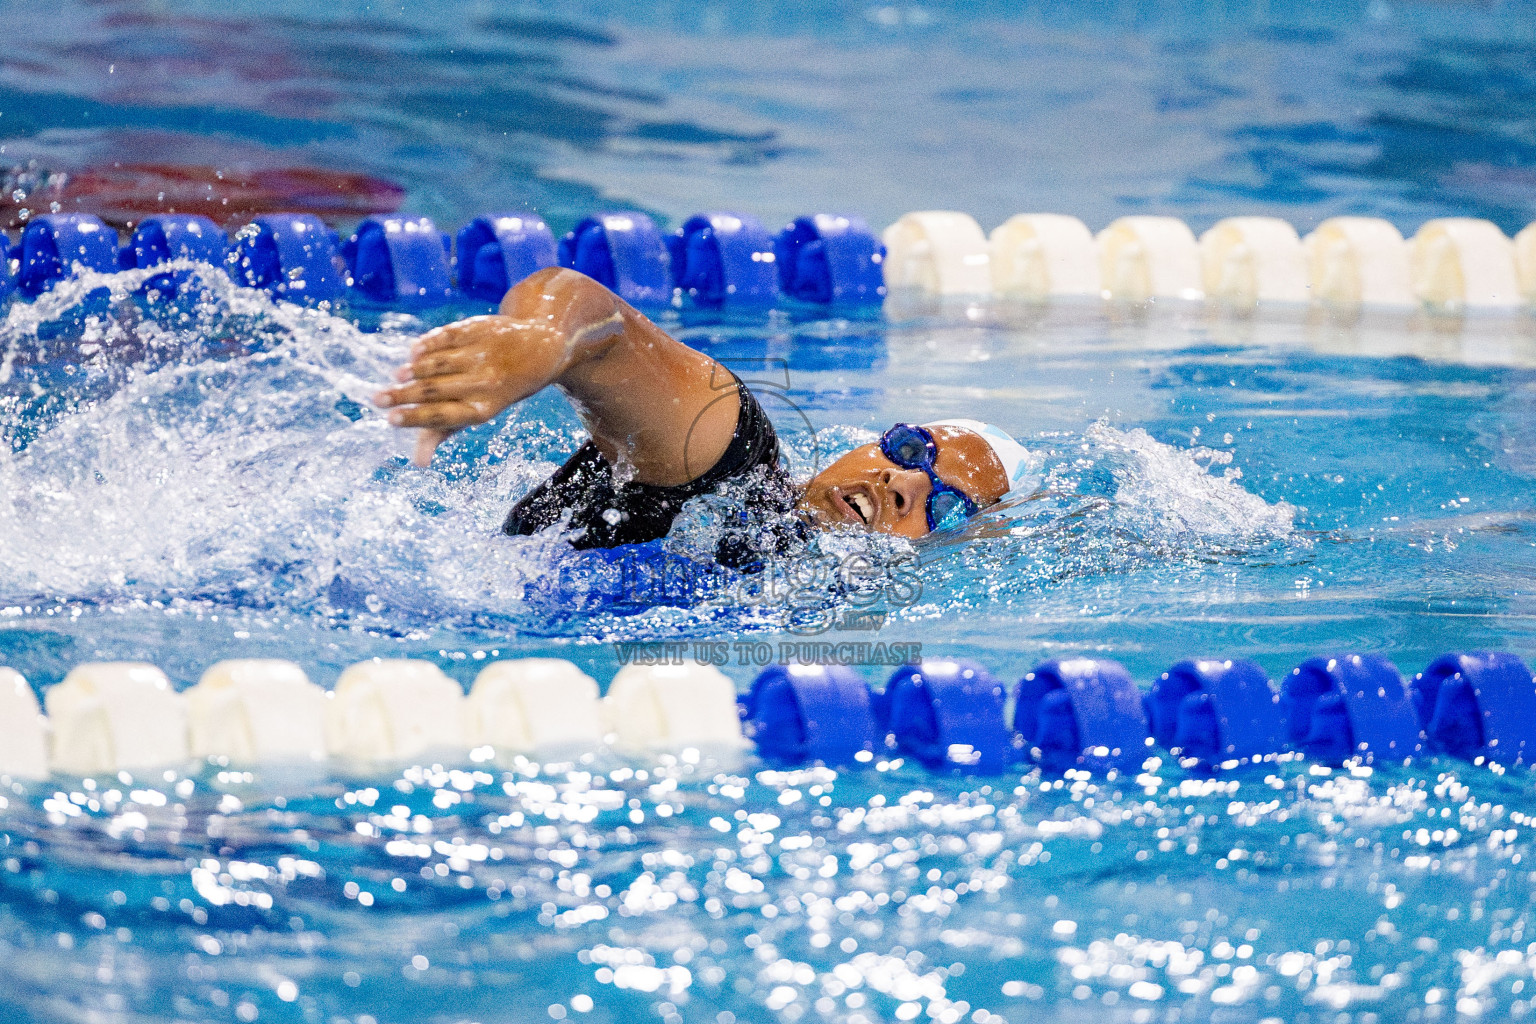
(1014, 456)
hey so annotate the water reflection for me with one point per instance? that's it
(706, 891)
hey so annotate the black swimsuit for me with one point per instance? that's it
(603, 515)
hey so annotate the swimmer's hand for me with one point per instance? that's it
(651, 403)
(469, 371)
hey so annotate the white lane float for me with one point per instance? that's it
(23, 729)
(534, 704)
(1358, 261)
(672, 707)
(390, 709)
(116, 716)
(1143, 258)
(938, 252)
(1525, 262)
(1043, 255)
(1463, 263)
(1248, 260)
(257, 709)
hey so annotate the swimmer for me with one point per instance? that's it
(668, 423)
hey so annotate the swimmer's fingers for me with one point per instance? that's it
(439, 421)
(452, 336)
(433, 389)
(426, 443)
(445, 416)
(451, 352)
(437, 364)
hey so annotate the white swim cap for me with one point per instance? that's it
(1015, 458)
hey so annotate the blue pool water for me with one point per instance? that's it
(203, 481)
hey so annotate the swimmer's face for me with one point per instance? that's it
(864, 488)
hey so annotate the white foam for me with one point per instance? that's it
(116, 716)
(1248, 260)
(670, 707)
(23, 729)
(939, 252)
(534, 704)
(257, 710)
(1170, 497)
(1037, 255)
(1355, 261)
(1143, 258)
(388, 709)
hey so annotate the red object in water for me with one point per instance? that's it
(123, 194)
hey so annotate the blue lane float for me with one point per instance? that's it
(1478, 705)
(949, 714)
(500, 249)
(400, 258)
(1084, 713)
(161, 239)
(1216, 711)
(724, 259)
(1350, 706)
(830, 258)
(1081, 713)
(54, 242)
(295, 256)
(804, 713)
(625, 252)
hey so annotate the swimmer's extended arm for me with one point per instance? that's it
(651, 402)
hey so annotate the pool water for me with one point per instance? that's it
(1208, 488)
(185, 482)
(1407, 110)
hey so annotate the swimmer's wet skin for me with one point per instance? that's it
(656, 412)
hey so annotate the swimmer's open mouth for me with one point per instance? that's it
(858, 506)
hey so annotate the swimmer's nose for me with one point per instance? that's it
(907, 488)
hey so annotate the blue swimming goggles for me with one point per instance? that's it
(913, 448)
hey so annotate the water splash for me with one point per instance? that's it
(224, 449)
(1171, 498)
(1112, 503)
